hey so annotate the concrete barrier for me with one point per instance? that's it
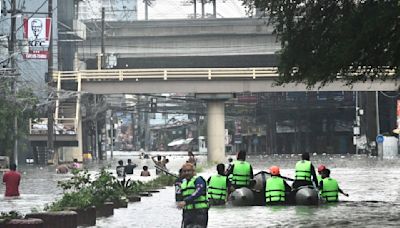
(105, 210)
(86, 217)
(59, 219)
(133, 198)
(145, 194)
(122, 203)
(23, 223)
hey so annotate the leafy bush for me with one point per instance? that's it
(129, 187)
(80, 180)
(80, 200)
(105, 188)
(81, 191)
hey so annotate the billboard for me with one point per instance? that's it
(37, 32)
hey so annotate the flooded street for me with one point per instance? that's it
(373, 187)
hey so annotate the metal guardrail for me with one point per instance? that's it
(165, 74)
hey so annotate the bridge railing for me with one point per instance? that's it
(62, 126)
(165, 74)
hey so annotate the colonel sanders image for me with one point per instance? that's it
(36, 26)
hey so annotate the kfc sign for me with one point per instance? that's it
(37, 32)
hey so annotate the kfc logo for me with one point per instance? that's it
(37, 32)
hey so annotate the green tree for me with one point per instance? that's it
(22, 107)
(356, 40)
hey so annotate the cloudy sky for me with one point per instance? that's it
(159, 9)
(174, 9)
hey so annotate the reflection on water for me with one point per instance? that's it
(373, 187)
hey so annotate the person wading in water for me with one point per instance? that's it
(194, 204)
(12, 179)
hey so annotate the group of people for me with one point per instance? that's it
(122, 170)
(278, 191)
(195, 195)
(64, 168)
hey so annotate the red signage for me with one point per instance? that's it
(37, 32)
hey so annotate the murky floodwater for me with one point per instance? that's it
(373, 187)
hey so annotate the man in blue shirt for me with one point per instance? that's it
(194, 204)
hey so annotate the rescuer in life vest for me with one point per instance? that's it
(218, 187)
(329, 187)
(241, 170)
(195, 204)
(276, 188)
(305, 172)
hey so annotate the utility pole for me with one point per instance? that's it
(378, 126)
(215, 8)
(202, 9)
(96, 133)
(11, 50)
(100, 65)
(133, 116)
(356, 131)
(195, 9)
(112, 135)
(50, 112)
(103, 18)
(146, 9)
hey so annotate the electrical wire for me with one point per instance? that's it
(37, 10)
(390, 96)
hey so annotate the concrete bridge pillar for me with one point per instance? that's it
(215, 125)
(216, 130)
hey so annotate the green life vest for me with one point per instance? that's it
(330, 190)
(275, 190)
(217, 188)
(188, 188)
(303, 170)
(241, 174)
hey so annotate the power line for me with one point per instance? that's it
(390, 96)
(37, 10)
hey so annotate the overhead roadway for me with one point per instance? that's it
(202, 80)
